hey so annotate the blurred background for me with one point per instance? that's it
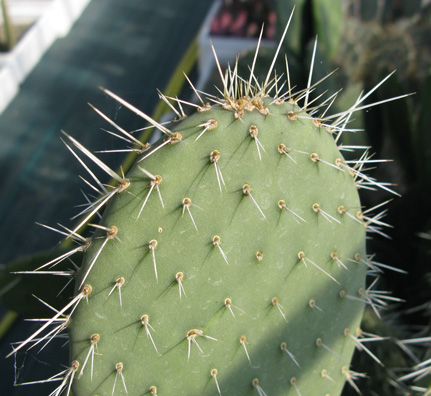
(54, 56)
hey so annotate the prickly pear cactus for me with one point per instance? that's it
(230, 260)
(226, 261)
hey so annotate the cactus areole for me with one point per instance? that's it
(230, 260)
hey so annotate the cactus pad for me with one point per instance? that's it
(230, 260)
(231, 252)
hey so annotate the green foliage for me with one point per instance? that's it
(328, 26)
(295, 38)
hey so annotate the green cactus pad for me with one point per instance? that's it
(232, 264)
(231, 258)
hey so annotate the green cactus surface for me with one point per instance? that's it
(231, 258)
(231, 251)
